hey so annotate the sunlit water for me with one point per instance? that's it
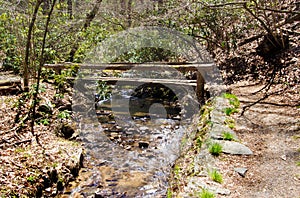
(130, 157)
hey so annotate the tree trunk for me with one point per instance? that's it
(41, 63)
(129, 11)
(89, 18)
(123, 7)
(70, 8)
(28, 42)
(200, 88)
(160, 6)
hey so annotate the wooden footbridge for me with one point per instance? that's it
(199, 68)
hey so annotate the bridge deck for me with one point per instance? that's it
(182, 67)
(127, 66)
(128, 81)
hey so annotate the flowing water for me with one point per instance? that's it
(132, 147)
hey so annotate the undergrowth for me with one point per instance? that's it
(206, 194)
(215, 176)
(215, 149)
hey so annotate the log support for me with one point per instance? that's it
(200, 88)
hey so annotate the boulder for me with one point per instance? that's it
(65, 129)
(45, 108)
(217, 131)
(217, 117)
(234, 148)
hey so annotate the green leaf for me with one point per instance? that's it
(64, 114)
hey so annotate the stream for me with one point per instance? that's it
(132, 145)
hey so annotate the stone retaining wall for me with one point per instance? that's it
(191, 171)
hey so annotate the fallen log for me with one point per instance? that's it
(10, 82)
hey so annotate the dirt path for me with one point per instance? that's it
(273, 134)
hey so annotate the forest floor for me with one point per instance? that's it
(36, 163)
(271, 129)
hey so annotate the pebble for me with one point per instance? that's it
(113, 134)
(151, 191)
(283, 157)
(128, 132)
(143, 145)
(144, 128)
(128, 147)
(118, 127)
(176, 117)
(241, 171)
(48, 189)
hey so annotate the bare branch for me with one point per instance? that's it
(251, 39)
(257, 18)
(41, 63)
(279, 11)
(28, 43)
(225, 4)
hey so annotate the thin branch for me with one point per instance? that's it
(223, 4)
(28, 43)
(21, 142)
(279, 11)
(251, 39)
(274, 104)
(14, 163)
(41, 63)
(270, 83)
(245, 2)
(112, 22)
(16, 128)
(207, 39)
(257, 18)
(259, 100)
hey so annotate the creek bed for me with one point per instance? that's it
(129, 153)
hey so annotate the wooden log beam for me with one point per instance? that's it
(10, 82)
(182, 67)
(127, 66)
(200, 88)
(7, 90)
(132, 81)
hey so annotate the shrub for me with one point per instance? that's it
(206, 194)
(199, 142)
(169, 193)
(230, 123)
(215, 149)
(215, 176)
(233, 100)
(228, 111)
(227, 136)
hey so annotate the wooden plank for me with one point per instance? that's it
(200, 88)
(182, 67)
(126, 66)
(8, 89)
(10, 82)
(133, 81)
